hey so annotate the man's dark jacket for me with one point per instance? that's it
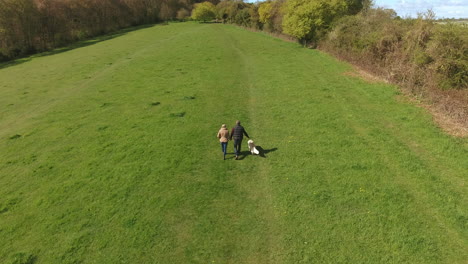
(238, 132)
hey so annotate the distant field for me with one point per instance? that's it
(108, 155)
(460, 22)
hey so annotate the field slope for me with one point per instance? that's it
(108, 155)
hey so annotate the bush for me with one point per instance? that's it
(205, 11)
(182, 14)
(449, 51)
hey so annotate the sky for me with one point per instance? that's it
(411, 8)
(442, 8)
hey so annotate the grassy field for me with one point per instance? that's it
(108, 155)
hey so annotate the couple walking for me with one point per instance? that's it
(237, 133)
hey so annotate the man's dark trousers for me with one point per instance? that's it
(238, 133)
(237, 146)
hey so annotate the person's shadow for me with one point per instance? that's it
(262, 152)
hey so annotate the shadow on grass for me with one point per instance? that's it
(210, 22)
(262, 153)
(75, 45)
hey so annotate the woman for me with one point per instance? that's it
(223, 135)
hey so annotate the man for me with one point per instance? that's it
(238, 133)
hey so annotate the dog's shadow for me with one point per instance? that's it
(263, 152)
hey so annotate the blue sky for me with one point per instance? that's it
(442, 8)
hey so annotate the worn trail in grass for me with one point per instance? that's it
(108, 155)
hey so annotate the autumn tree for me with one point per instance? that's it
(254, 16)
(182, 14)
(271, 15)
(204, 11)
(309, 19)
(227, 11)
(264, 12)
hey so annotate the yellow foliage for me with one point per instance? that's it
(204, 11)
(264, 11)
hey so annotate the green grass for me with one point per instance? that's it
(108, 155)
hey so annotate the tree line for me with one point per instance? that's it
(306, 20)
(30, 26)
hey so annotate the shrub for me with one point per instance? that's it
(182, 14)
(449, 50)
(204, 11)
(310, 20)
(243, 17)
